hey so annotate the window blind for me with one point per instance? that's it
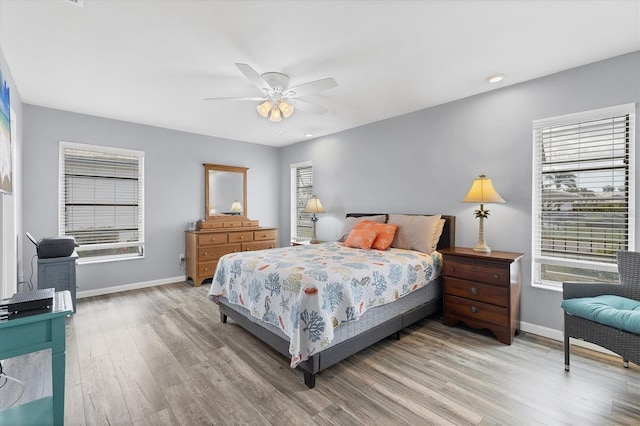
(583, 195)
(102, 200)
(303, 192)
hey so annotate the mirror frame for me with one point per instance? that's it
(220, 168)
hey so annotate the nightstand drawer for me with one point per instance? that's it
(466, 308)
(215, 252)
(496, 295)
(476, 271)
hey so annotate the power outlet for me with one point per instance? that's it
(181, 258)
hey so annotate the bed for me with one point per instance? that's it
(338, 301)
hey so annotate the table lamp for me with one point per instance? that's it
(482, 192)
(236, 208)
(314, 206)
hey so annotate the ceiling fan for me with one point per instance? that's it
(278, 99)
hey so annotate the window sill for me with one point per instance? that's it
(91, 261)
(547, 287)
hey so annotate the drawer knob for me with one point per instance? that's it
(206, 269)
(206, 253)
(452, 268)
(496, 276)
(473, 309)
(242, 237)
(473, 290)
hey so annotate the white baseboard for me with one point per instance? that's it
(126, 287)
(554, 334)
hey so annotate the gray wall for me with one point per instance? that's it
(424, 162)
(174, 186)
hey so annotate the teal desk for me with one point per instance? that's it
(31, 334)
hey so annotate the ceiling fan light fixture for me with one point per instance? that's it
(264, 108)
(276, 117)
(286, 108)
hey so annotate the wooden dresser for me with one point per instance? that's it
(483, 290)
(205, 246)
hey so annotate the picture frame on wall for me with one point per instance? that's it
(6, 172)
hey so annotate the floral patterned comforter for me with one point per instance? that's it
(307, 291)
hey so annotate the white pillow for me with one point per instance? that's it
(351, 221)
(414, 232)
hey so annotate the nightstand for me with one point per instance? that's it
(482, 290)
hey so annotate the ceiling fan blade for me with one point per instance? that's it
(253, 76)
(254, 98)
(310, 107)
(312, 87)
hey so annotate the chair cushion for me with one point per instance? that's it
(614, 311)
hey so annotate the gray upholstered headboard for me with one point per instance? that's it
(448, 237)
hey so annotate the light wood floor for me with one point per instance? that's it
(161, 356)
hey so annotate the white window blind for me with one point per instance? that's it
(583, 195)
(302, 191)
(102, 200)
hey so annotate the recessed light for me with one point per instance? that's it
(308, 135)
(495, 78)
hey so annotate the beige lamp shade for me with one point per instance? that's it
(482, 191)
(314, 206)
(236, 207)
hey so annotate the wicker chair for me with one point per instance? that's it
(622, 342)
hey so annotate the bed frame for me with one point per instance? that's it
(342, 350)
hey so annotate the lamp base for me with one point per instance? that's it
(482, 248)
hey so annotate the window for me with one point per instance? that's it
(301, 192)
(583, 195)
(101, 201)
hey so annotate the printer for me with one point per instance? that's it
(50, 247)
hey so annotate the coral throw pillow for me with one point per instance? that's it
(384, 233)
(360, 238)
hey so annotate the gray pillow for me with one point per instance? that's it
(351, 221)
(414, 232)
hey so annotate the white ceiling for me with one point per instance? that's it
(153, 62)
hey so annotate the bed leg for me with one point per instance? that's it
(397, 336)
(223, 318)
(309, 380)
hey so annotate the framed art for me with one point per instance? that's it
(6, 184)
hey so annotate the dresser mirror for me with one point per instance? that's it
(225, 192)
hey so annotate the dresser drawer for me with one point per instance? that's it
(466, 308)
(258, 245)
(497, 295)
(207, 269)
(483, 272)
(215, 252)
(240, 237)
(232, 224)
(208, 239)
(265, 235)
